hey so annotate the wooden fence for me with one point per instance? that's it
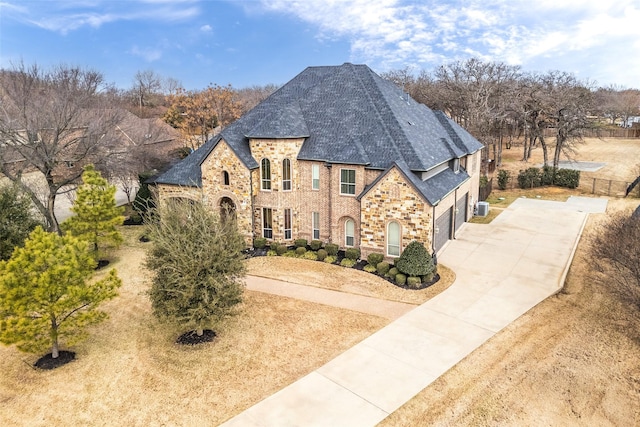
(633, 132)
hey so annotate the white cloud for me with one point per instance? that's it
(149, 54)
(206, 28)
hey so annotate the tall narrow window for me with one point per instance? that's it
(315, 177)
(347, 181)
(265, 167)
(316, 225)
(393, 239)
(349, 227)
(286, 175)
(225, 177)
(287, 224)
(267, 228)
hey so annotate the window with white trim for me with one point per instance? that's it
(287, 224)
(267, 224)
(265, 172)
(315, 225)
(348, 181)
(349, 231)
(393, 239)
(315, 177)
(286, 175)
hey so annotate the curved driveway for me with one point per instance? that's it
(503, 269)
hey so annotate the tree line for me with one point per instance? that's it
(499, 103)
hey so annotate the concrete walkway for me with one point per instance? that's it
(363, 304)
(503, 269)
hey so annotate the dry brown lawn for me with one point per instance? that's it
(130, 372)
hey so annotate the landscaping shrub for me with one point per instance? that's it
(414, 282)
(281, 249)
(347, 262)
(290, 253)
(529, 178)
(383, 268)
(392, 272)
(315, 245)
(548, 175)
(415, 260)
(369, 268)
(331, 248)
(375, 259)
(300, 243)
(503, 179)
(322, 254)
(310, 255)
(330, 259)
(300, 251)
(271, 252)
(567, 178)
(401, 279)
(352, 253)
(428, 278)
(259, 242)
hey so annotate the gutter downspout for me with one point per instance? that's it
(328, 166)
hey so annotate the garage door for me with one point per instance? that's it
(461, 213)
(442, 230)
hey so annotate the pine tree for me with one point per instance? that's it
(198, 264)
(96, 213)
(16, 219)
(45, 294)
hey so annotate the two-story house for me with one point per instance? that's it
(340, 155)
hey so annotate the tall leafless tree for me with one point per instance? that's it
(52, 123)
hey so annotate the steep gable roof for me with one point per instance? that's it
(347, 114)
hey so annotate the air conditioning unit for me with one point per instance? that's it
(483, 208)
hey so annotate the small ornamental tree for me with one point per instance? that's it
(96, 214)
(198, 265)
(415, 260)
(45, 294)
(16, 219)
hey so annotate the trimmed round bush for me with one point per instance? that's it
(428, 278)
(375, 259)
(415, 260)
(271, 252)
(369, 268)
(331, 248)
(401, 279)
(281, 249)
(383, 268)
(300, 251)
(330, 259)
(392, 272)
(315, 245)
(259, 242)
(322, 254)
(347, 262)
(414, 282)
(300, 243)
(290, 254)
(352, 253)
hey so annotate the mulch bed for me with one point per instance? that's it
(47, 362)
(192, 338)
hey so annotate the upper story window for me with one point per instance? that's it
(315, 177)
(225, 177)
(347, 181)
(265, 172)
(286, 175)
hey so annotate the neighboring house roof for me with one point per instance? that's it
(347, 114)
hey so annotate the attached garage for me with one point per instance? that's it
(442, 229)
(461, 210)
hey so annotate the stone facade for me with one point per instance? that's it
(393, 199)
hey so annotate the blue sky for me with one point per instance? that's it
(256, 42)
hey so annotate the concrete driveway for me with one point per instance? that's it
(503, 269)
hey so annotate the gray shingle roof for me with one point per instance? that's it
(348, 114)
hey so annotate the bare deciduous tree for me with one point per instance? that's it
(52, 122)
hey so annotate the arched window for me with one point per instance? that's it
(265, 171)
(393, 239)
(225, 177)
(286, 175)
(349, 231)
